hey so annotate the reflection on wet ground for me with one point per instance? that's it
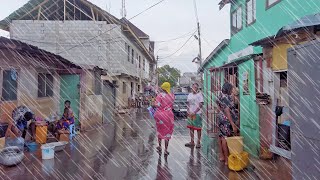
(125, 149)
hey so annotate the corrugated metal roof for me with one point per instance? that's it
(306, 21)
(19, 46)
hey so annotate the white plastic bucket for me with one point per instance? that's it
(47, 151)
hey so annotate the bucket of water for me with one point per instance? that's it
(47, 151)
(235, 144)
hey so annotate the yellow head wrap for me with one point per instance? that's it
(166, 86)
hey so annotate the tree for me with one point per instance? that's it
(168, 74)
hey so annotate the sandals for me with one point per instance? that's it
(166, 153)
(190, 144)
(221, 159)
(159, 149)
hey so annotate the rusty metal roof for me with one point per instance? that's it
(15, 45)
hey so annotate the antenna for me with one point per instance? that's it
(123, 10)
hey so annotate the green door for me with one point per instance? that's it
(249, 121)
(69, 90)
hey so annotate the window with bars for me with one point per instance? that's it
(236, 20)
(251, 11)
(45, 85)
(9, 85)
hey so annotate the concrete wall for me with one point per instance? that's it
(122, 97)
(82, 42)
(27, 90)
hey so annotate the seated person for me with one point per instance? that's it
(67, 104)
(22, 125)
(66, 120)
(13, 137)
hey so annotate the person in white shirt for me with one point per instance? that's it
(195, 103)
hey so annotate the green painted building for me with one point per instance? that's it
(234, 59)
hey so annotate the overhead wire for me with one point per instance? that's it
(176, 38)
(180, 47)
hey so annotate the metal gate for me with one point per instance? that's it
(217, 77)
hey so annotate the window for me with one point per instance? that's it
(128, 53)
(124, 88)
(237, 20)
(139, 61)
(271, 3)
(144, 64)
(132, 54)
(131, 88)
(97, 83)
(45, 85)
(9, 85)
(251, 11)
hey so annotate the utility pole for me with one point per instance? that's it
(123, 10)
(200, 53)
(199, 40)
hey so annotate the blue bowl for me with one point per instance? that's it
(32, 146)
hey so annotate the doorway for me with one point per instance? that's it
(70, 90)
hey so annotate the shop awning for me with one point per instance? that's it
(306, 21)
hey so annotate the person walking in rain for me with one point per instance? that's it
(195, 103)
(164, 116)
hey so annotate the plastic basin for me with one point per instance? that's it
(59, 146)
(32, 146)
(235, 144)
(11, 156)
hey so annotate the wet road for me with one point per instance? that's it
(125, 149)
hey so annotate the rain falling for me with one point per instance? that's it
(159, 89)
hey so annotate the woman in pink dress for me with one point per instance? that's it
(164, 116)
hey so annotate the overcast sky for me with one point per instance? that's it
(166, 21)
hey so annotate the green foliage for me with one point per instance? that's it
(168, 74)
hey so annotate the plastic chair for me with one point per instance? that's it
(72, 130)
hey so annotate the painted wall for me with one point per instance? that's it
(279, 57)
(249, 121)
(269, 21)
(122, 97)
(27, 89)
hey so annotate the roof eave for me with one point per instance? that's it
(222, 45)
